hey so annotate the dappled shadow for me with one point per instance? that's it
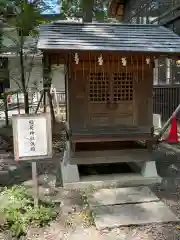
(117, 37)
(168, 167)
(13, 172)
(132, 214)
(122, 196)
(155, 231)
(18, 173)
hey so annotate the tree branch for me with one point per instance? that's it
(30, 71)
(17, 83)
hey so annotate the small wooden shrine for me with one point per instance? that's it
(109, 82)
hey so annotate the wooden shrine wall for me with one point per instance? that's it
(108, 89)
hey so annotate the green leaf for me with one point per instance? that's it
(18, 209)
(74, 8)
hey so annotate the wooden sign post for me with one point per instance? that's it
(32, 141)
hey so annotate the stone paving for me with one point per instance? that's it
(128, 206)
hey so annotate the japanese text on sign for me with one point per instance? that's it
(32, 136)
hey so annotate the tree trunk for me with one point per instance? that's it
(47, 85)
(40, 100)
(88, 10)
(26, 102)
(44, 99)
(1, 35)
(51, 106)
(23, 79)
(6, 111)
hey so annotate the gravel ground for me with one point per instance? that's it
(71, 225)
(74, 222)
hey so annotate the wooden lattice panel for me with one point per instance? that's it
(98, 87)
(123, 86)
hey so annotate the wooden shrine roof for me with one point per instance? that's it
(108, 37)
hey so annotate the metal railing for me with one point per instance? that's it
(165, 100)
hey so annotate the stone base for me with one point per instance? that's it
(71, 177)
(147, 169)
(112, 181)
(69, 173)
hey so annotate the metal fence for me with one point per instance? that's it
(165, 100)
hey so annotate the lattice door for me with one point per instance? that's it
(106, 93)
(122, 98)
(123, 86)
(98, 87)
(102, 88)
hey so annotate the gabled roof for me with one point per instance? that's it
(108, 37)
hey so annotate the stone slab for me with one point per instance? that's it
(121, 196)
(113, 181)
(132, 214)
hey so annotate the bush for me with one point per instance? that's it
(18, 209)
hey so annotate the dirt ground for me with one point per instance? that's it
(75, 221)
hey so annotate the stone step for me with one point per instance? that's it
(122, 196)
(132, 214)
(117, 207)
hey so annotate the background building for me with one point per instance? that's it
(167, 70)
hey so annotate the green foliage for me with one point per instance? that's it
(75, 8)
(5, 94)
(27, 15)
(70, 8)
(22, 22)
(17, 206)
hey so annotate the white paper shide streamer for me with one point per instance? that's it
(124, 61)
(148, 61)
(100, 60)
(76, 58)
